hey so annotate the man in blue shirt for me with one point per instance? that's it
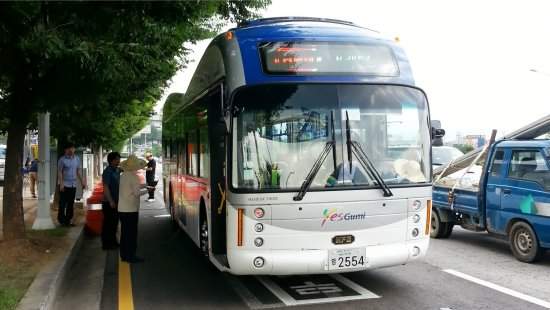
(68, 171)
(111, 180)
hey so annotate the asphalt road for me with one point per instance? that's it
(467, 271)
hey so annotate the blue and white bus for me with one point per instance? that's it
(301, 146)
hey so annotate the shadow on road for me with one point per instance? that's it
(487, 242)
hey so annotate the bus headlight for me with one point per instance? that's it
(259, 213)
(416, 205)
(259, 227)
(259, 262)
(414, 232)
(258, 242)
(416, 251)
(416, 218)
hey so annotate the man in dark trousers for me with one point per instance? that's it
(68, 171)
(150, 176)
(111, 181)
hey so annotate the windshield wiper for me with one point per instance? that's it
(317, 164)
(355, 148)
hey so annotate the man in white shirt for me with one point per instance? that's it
(128, 208)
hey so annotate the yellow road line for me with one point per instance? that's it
(125, 297)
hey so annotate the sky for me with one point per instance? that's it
(474, 59)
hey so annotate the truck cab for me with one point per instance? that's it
(512, 198)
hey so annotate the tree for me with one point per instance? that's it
(105, 63)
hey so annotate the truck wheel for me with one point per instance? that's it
(438, 228)
(524, 243)
(448, 230)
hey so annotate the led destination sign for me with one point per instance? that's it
(301, 58)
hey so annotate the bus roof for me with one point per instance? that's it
(270, 20)
(235, 55)
(301, 27)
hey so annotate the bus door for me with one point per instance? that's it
(217, 135)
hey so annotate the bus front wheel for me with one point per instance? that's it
(204, 237)
(524, 243)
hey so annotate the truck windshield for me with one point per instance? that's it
(280, 130)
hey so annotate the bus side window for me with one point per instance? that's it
(204, 153)
(166, 146)
(192, 154)
(496, 168)
(182, 162)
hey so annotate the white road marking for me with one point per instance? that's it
(356, 287)
(247, 296)
(496, 287)
(162, 215)
(289, 301)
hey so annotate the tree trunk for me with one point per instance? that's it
(13, 218)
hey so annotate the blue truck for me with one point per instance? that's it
(510, 200)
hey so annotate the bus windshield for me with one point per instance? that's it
(280, 131)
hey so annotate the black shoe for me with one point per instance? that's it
(110, 247)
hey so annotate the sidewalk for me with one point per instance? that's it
(38, 260)
(30, 207)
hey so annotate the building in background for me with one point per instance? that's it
(475, 141)
(148, 139)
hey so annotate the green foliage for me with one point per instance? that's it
(98, 67)
(156, 150)
(99, 64)
(9, 297)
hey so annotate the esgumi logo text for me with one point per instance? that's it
(332, 215)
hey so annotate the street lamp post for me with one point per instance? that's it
(43, 219)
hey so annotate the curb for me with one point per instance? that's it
(44, 289)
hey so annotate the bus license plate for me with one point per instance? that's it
(347, 258)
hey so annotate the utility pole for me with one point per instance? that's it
(43, 219)
(100, 166)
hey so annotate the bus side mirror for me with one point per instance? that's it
(437, 133)
(437, 136)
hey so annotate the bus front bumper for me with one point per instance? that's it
(293, 262)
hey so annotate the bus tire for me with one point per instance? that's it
(203, 233)
(438, 228)
(171, 209)
(524, 243)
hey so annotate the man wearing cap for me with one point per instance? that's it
(68, 171)
(128, 208)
